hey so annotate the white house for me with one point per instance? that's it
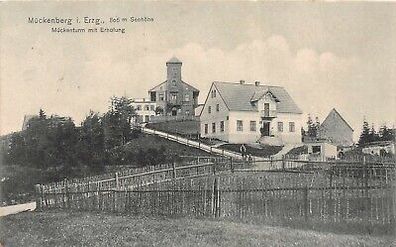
(248, 113)
(144, 109)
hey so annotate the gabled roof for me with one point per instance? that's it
(258, 95)
(152, 89)
(185, 83)
(238, 96)
(332, 115)
(193, 88)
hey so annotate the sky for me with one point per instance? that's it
(327, 55)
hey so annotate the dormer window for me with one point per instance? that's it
(174, 82)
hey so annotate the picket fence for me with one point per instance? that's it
(340, 195)
(60, 193)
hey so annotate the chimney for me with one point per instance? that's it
(257, 83)
(242, 82)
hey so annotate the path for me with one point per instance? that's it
(13, 209)
(286, 148)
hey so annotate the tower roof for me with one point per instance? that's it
(173, 60)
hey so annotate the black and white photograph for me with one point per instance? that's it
(197, 123)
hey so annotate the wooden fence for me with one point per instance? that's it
(339, 193)
(339, 196)
(58, 195)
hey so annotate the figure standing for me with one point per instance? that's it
(242, 149)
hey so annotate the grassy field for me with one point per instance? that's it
(90, 229)
(145, 142)
(177, 127)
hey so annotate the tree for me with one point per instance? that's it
(365, 135)
(42, 114)
(317, 125)
(373, 136)
(159, 110)
(386, 134)
(91, 142)
(117, 122)
(312, 127)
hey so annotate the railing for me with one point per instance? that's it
(268, 113)
(159, 118)
(191, 143)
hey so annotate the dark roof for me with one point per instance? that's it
(333, 113)
(152, 89)
(238, 96)
(185, 83)
(174, 60)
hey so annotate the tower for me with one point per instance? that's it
(173, 67)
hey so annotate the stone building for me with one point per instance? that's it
(174, 96)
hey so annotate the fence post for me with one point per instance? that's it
(217, 198)
(283, 162)
(117, 184)
(331, 186)
(173, 170)
(271, 162)
(38, 196)
(365, 167)
(231, 165)
(214, 166)
(67, 195)
(306, 203)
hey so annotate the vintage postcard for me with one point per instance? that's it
(197, 123)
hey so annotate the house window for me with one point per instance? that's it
(161, 97)
(292, 127)
(152, 107)
(213, 127)
(187, 112)
(239, 125)
(316, 149)
(209, 109)
(174, 82)
(138, 107)
(213, 93)
(217, 107)
(228, 118)
(173, 96)
(280, 126)
(146, 118)
(252, 125)
(206, 128)
(187, 97)
(222, 126)
(147, 107)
